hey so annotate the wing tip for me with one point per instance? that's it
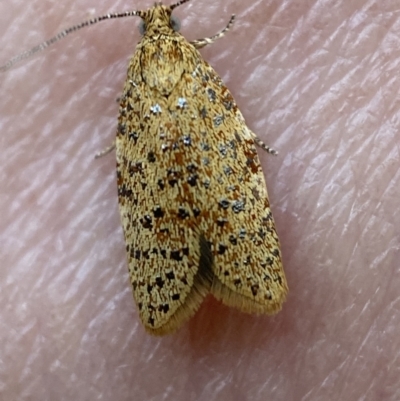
(270, 305)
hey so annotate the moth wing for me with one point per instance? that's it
(168, 256)
(247, 265)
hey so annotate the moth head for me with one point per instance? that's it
(158, 20)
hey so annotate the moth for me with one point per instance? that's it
(192, 196)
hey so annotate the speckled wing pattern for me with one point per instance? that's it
(192, 195)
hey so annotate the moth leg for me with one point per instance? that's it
(263, 146)
(105, 151)
(199, 43)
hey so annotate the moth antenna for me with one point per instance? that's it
(66, 32)
(179, 3)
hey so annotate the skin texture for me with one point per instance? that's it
(317, 81)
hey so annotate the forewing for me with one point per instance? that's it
(237, 219)
(158, 178)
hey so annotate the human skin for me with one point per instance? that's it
(318, 81)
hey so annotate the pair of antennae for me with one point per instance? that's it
(74, 28)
